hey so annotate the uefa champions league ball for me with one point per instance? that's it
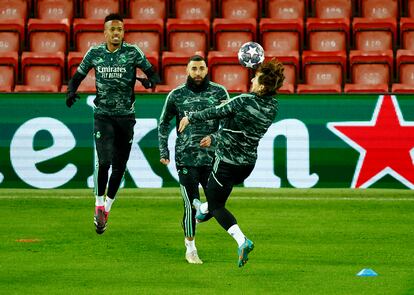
(251, 55)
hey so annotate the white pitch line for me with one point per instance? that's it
(269, 198)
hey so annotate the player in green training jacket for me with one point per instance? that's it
(115, 64)
(248, 118)
(194, 149)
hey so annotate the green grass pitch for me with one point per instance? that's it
(306, 242)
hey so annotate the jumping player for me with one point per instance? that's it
(115, 64)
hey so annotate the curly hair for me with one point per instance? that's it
(272, 76)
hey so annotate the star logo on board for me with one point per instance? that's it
(385, 144)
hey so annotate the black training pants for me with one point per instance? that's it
(220, 184)
(113, 138)
(190, 178)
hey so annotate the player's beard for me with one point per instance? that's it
(197, 86)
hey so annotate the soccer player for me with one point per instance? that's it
(194, 149)
(248, 118)
(115, 64)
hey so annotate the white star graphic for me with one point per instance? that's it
(252, 51)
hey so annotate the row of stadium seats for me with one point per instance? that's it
(311, 72)
(222, 34)
(200, 9)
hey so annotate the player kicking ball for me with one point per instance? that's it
(248, 116)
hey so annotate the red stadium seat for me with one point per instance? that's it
(281, 34)
(174, 66)
(374, 34)
(47, 35)
(230, 34)
(99, 9)
(146, 34)
(55, 9)
(88, 84)
(193, 9)
(87, 33)
(407, 33)
(323, 71)
(11, 34)
(410, 8)
(379, 8)
(226, 70)
(370, 71)
(13, 9)
(290, 60)
(42, 72)
(286, 9)
(147, 9)
(405, 72)
(332, 8)
(8, 71)
(188, 36)
(240, 9)
(328, 34)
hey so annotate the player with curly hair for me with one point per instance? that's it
(248, 116)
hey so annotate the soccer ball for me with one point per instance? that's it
(251, 55)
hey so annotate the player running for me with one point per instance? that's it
(115, 64)
(248, 118)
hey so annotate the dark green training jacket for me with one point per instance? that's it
(248, 118)
(181, 102)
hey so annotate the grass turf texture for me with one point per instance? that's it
(306, 242)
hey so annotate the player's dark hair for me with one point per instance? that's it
(272, 78)
(113, 16)
(196, 58)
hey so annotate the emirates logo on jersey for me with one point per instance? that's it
(111, 72)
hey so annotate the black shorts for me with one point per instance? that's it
(221, 181)
(113, 137)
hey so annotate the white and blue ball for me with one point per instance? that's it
(251, 55)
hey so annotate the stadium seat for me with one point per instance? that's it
(285, 9)
(87, 33)
(281, 34)
(407, 33)
(290, 60)
(99, 9)
(8, 71)
(327, 34)
(374, 34)
(147, 34)
(147, 9)
(48, 35)
(11, 34)
(187, 36)
(324, 72)
(410, 8)
(239, 9)
(55, 9)
(42, 72)
(327, 9)
(230, 34)
(174, 66)
(14, 9)
(226, 70)
(88, 84)
(370, 71)
(193, 9)
(405, 72)
(379, 8)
